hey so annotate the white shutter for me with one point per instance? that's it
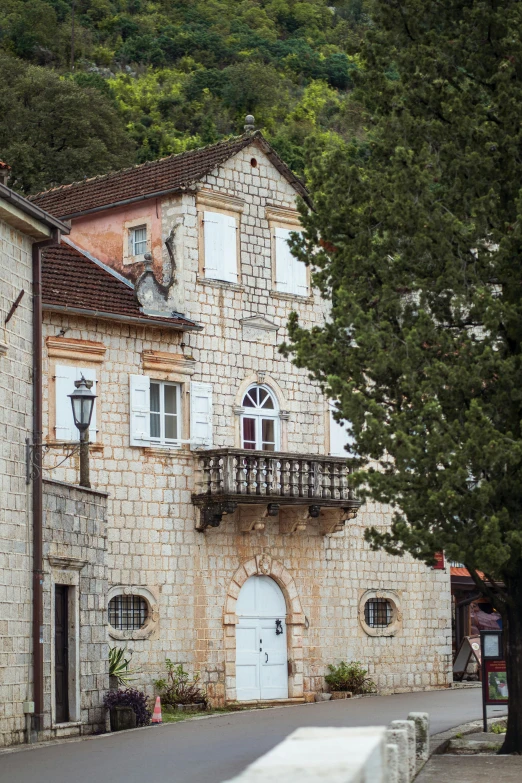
(213, 236)
(300, 275)
(339, 434)
(139, 410)
(200, 414)
(229, 248)
(283, 261)
(65, 377)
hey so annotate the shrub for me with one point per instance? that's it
(349, 677)
(130, 698)
(119, 666)
(178, 688)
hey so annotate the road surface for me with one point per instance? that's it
(214, 749)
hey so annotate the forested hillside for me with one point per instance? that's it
(87, 86)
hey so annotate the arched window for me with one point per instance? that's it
(260, 421)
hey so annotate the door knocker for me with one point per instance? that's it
(279, 627)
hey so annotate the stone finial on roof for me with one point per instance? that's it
(249, 123)
(5, 172)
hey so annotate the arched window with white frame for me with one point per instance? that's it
(260, 429)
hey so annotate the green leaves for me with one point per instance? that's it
(420, 250)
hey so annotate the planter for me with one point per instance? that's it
(122, 718)
(341, 694)
(200, 706)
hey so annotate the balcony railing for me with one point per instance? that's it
(240, 476)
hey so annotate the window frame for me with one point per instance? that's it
(276, 225)
(393, 598)
(133, 242)
(258, 414)
(124, 597)
(172, 443)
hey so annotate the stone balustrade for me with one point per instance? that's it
(228, 477)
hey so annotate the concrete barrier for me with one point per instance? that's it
(370, 754)
(422, 734)
(409, 728)
(323, 755)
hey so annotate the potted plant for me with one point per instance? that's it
(178, 690)
(128, 708)
(348, 679)
(119, 668)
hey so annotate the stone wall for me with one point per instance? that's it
(75, 538)
(15, 532)
(153, 546)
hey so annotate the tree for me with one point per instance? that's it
(53, 131)
(416, 238)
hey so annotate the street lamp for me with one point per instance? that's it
(82, 401)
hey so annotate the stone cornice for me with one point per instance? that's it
(67, 563)
(282, 215)
(207, 198)
(162, 361)
(66, 348)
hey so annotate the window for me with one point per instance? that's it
(64, 378)
(156, 413)
(260, 420)
(378, 613)
(138, 241)
(220, 246)
(291, 275)
(127, 612)
(340, 433)
(164, 412)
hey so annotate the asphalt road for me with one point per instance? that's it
(214, 749)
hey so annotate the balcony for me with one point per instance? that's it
(260, 484)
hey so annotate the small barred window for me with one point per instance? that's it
(378, 613)
(127, 612)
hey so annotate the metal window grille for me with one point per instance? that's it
(127, 612)
(378, 613)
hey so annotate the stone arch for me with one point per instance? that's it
(265, 565)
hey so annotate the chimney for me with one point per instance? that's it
(249, 123)
(5, 172)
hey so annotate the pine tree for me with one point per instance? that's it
(419, 230)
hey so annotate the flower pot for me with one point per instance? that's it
(122, 718)
(198, 707)
(113, 683)
(341, 694)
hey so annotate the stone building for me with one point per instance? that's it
(52, 535)
(234, 545)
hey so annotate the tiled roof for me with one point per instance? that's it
(72, 282)
(158, 177)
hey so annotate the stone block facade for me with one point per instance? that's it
(187, 577)
(75, 544)
(16, 400)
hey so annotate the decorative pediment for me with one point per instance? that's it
(258, 329)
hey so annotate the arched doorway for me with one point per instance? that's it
(260, 420)
(261, 646)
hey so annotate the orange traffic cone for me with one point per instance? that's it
(156, 715)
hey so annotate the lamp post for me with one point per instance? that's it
(82, 401)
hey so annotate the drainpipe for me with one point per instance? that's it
(38, 624)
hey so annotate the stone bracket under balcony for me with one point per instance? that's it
(292, 489)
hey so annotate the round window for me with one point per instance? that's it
(378, 613)
(127, 612)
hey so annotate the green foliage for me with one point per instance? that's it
(183, 74)
(498, 728)
(53, 131)
(178, 687)
(119, 666)
(349, 677)
(419, 228)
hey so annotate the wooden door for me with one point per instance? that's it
(61, 653)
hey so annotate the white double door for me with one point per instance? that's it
(261, 644)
